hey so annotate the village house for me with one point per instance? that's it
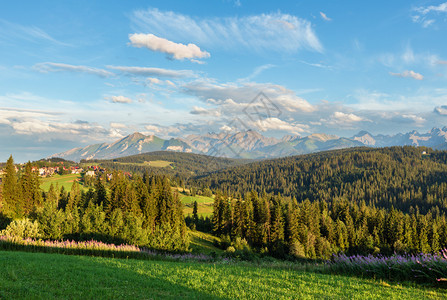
(47, 171)
(90, 173)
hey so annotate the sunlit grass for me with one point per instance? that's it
(65, 181)
(204, 205)
(201, 242)
(37, 275)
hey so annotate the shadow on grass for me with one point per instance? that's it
(39, 275)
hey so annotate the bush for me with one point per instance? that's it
(24, 228)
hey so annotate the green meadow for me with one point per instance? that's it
(204, 205)
(152, 163)
(65, 181)
(49, 276)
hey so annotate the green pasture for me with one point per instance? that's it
(61, 180)
(54, 276)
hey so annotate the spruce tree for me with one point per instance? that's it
(12, 200)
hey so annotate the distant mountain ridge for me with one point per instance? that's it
(435, 138)
(251, 144)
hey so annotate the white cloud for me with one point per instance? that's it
(324, 16)
(408, 58)
(11, 32)
(153, 80)
(421, 101)
(343, 118)
(46, 126)
(408, 55)
(162, 131)
(143, 71)
(408, 74)
(119, 99)
(59, 67)
(280, 125)
(240, 95)
(203, 111)
(426, 14)
(152, 128)
(442, 110)
(257, 71)
(175, 50)
(225, 128)
(274, 31)
(117, 125)
(432, 8)
(416, 119)
(318, 65)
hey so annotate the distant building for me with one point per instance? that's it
(90, 173)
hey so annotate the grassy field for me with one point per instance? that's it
(153, 163)
(203, 242)
(204, 204)
(62, 180)
(39, 275)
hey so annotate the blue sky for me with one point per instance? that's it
(74, 73)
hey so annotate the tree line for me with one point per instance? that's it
(399, 177)
(285, 227)
(141, 211)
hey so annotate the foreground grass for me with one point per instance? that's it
(39, 275)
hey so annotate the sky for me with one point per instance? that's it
(74, 73)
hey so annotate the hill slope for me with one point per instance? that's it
(133, 144)
(54, 276)
(402, 177)
(175, 163)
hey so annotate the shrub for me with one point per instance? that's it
(23, 228)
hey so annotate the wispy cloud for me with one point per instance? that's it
(266, 32)
(276, 124)
(324, 16)
(442, 110)
(162, 131)
(204, 111)
(257, 71)
(243, 93)
(425, 15)
(116, 125)
(175, 50)
(144, 71)
(408, 74)
(11, 32)
(118, 99)
(341, 117)
(46, 127)
(317, 65)
(60, 67)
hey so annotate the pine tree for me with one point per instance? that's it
(100, 192)
(195, 216)
(31, 193)
(12, 204)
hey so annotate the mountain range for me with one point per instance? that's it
(251, 144)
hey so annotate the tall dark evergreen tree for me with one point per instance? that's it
(12, 199)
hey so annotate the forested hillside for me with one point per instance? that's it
(139, 210)
(182, 164)
(355, 201)
(402, 177)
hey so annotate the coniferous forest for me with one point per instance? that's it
(141, 211)
(355, 201)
